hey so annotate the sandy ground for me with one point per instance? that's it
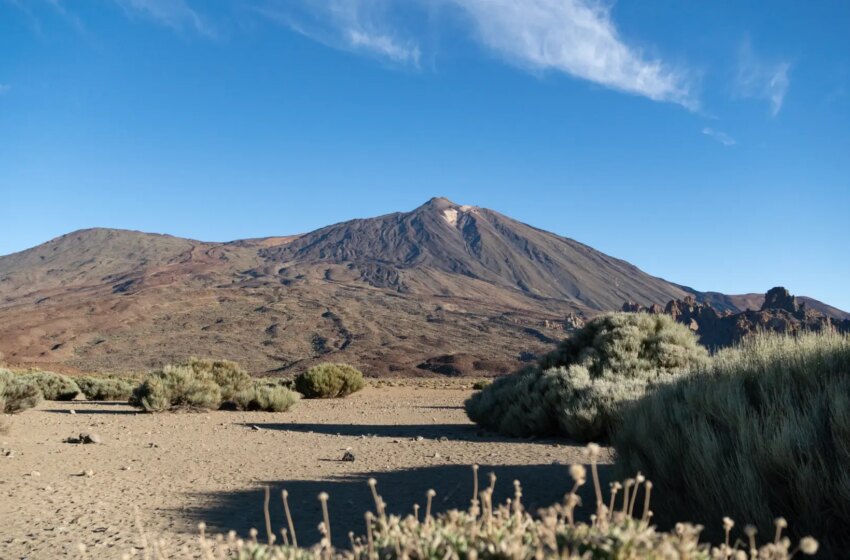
(170, 471)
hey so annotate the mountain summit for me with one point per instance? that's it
(480, 244)
(444, 287)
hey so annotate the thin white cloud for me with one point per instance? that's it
(354, 25)
(719, 135)
(573, 37)
(176, 14)
(760, 79)
(384, 45)
(578, 38)
(4, 88)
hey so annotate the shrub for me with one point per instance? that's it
(17, 394)
(762, 431)
(229, 376)
(176, 387)
(53, 386)
(577, 390)
(107, 388)
(266, 398)
(481, 385)
(285, 382)
(329, 381)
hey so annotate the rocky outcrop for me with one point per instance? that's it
(779, 298)
(780, 313)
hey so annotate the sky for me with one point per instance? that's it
(707, 143)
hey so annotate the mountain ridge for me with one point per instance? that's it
(388, 293)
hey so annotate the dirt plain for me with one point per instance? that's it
(167, 472)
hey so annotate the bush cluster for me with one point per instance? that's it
(229, 376)
(175, 388)
(761, 431)
(107, 388)
(209, 385)
(53, 386)
(16, 393)
(578, 390)
(329, 381)
(266, 398)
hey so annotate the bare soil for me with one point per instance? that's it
(168, 472)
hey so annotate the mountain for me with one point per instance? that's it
(443, 288)
(441, 245)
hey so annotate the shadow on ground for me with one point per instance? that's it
(350, 497)
(92, 411)
(452, 432)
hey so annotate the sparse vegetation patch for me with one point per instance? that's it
(329, 381)
(17, 394)
(175, 388)
(577, 390)
(619, 530)
(107, 388)
(53, 386)
(228, 375)
(266, 398)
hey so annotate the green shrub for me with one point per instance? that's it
(16, 393)
(107, 388)
(329, 381)
(762, 431)
(53, 386)
(266, 398)
(176, 387)
(229, 376)
(577, 390)
(481, 385)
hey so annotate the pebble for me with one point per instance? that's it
(72, 411)
(419, 438)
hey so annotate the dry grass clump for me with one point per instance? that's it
(107, 388)
(577, 390)
(762, 431)
(53, 386)
(16, 393)
(620, 529)
(329, 381)
(176, 388)
(266, 398)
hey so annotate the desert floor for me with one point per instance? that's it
(168, 472)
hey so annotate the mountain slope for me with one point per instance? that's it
(390, 251)
(406, 293)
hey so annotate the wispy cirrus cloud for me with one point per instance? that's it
(361, 26)
(578, 38)
(720, 136)
(176, 14)
(573, 37)
(758, 78)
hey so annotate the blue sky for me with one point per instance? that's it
(706, 142)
